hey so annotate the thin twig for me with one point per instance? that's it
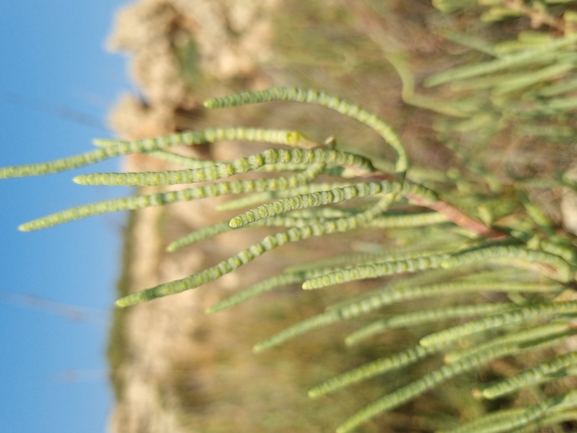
(459, 217)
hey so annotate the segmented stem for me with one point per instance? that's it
(184, 161)
(270, 242)
(113, 148)
(514, 419)
(426, 316)
(419, 386)
(267, 285)
(518, 315)
(562, 268)
(532, 376)
(371, 369)
(223, 227)
(409, 220)
(224, 170)
(390, 295)
(332, 196)
(543, 335)
(198, 235)
(375, 270)
(160, 199)
(314, 97)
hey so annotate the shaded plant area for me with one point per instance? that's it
(449, 301)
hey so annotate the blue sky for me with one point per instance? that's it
(57, 286)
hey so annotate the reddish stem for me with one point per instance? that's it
(460, 218)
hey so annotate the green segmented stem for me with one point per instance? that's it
(249, 200)
(296, 274)
(299, 190)
(425, 383)
(72, 162)
(300, 202)
(560, 248)
(362, 258)
(505, 275)
(532, 376)
(415, 280)
(545, 334)
(365, 258)
(265, 196)
(160, 199)
(294, 234)
(314, 97)
(371, 369)
(516, 316)
(466, 39)
(497, 417)
(262, 287)
(409, 220)
(565, 401)
(283, 167)
(359, 220)
(563, 269)
(217, 271)
(514, 419)
(304, 326)
(505, 420)
(335, 195)
(312, 187)
(390, 295)
(199, 235)
(426, 316)
(212, 135)
(326, 212)
(524, 80)
(255, 199)
(287, 221)
(284, 279)
(375, 270)
(555, 419)
(545, 52)
(113, 148)
(326, 318)
(223, 227)
(224, 170)
(182, 160)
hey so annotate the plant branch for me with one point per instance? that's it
(460, 218)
